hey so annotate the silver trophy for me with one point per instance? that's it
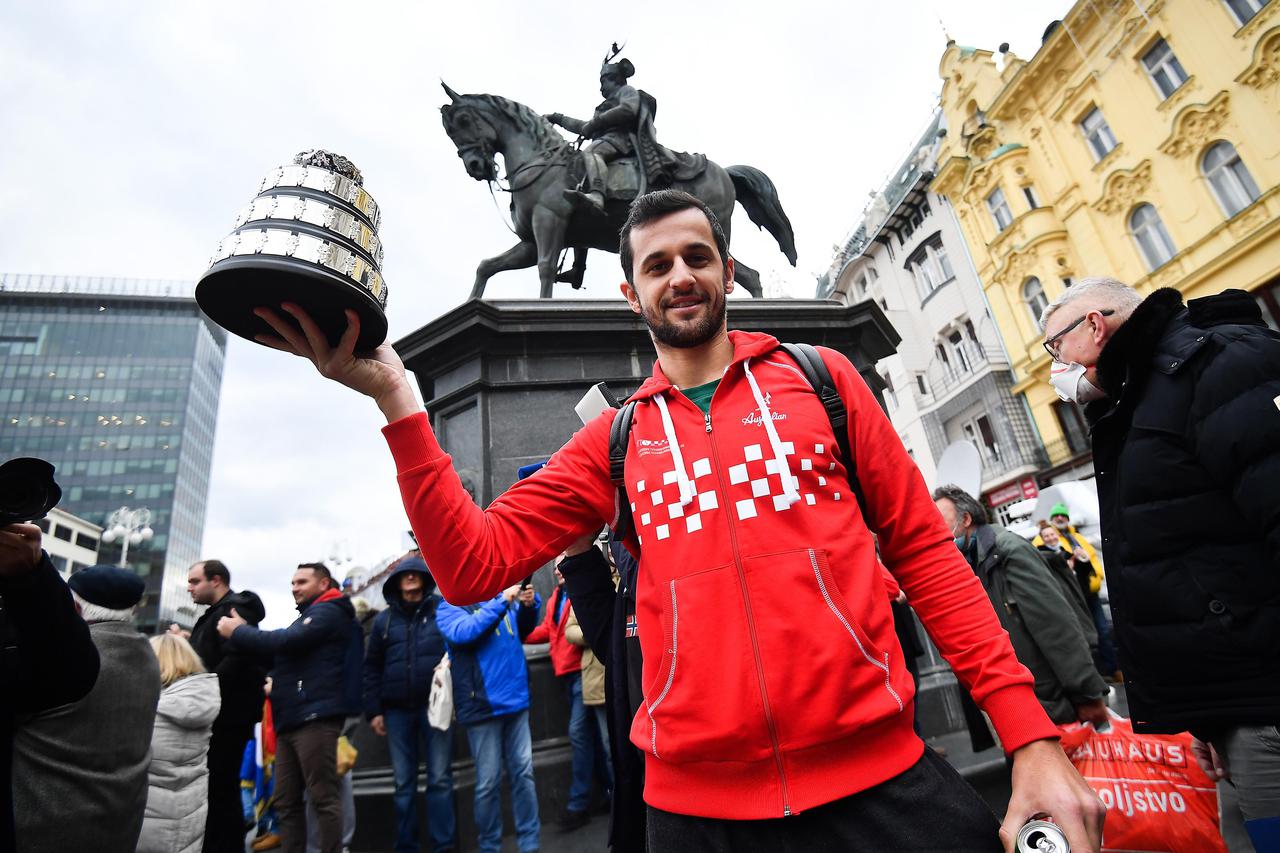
(309, 237)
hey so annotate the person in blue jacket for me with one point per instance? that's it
(491, 701)
(405, 645)
(316, 684)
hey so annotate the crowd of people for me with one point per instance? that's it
(731, 661)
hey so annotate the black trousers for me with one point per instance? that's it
(927, 808)
(224, 828)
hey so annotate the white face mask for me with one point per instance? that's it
(1071, 383)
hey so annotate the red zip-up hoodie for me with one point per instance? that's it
(773, 680)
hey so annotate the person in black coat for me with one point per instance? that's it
(1184, 404)
(607, 619)
(240, 678)
(47, 657)
(405, 646)
(316, 685)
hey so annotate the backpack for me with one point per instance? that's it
(814, 369)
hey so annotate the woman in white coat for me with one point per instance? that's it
(178, 781)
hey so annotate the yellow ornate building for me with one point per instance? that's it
(1141, 141)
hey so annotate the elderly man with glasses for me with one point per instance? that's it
(1184, 407)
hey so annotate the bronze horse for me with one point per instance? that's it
(540, 165)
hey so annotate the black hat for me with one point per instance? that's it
(108, 586)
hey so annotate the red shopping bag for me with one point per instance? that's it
(1158, 799)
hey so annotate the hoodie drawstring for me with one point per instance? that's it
(682, 478)
(789, 491)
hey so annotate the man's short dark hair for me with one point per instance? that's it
(653, 206)
(321, 571)
(964, 502)
(217, 569)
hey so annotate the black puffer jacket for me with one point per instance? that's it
(404, 647)
(1187, 453)
(240, 675)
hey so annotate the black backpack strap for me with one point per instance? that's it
(619, 432)
(815, 370)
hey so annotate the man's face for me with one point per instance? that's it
(1060, 521)
(411, 583)
(1050, 537)
(307, 585)
(954, 520)
(1077, 332)
(203, 590)
(609, 85)
(679, 281)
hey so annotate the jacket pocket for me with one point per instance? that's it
(825, 677)
(702, 701)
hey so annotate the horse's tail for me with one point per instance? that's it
(760, 198)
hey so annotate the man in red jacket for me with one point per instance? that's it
(757, 706)
(566, 660)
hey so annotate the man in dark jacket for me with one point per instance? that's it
(47, 657)
(315, 685)
(1044, 629)
(1184, 402)
(405, 646)
(80, 770)
(240, 678)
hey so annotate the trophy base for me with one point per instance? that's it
(230, 291)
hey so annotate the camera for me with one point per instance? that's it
(27, 490)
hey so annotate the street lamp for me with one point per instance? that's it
(130, 526)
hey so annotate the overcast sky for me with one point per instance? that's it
(134, 132)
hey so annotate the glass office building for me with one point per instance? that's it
(116, 382)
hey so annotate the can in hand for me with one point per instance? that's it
(1041, 836)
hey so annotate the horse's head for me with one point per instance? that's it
(469, 124)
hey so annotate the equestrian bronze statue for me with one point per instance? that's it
(563, 198)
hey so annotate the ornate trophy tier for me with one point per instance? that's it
(310, 237)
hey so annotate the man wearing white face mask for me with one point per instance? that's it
(1184, 404)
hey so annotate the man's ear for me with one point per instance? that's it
(728, 276)
(629, 294)
(1098, 324)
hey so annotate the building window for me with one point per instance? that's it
(1033, 296)
(1074, 429)
(963, 358)
(888, 387)
(1244, 10)
(63, 533)
(979, 431)
(1163, 68)
(85, 541)
(922, 384)
(860, 289)
(999, 209)
(1231, 181)
(1029, 193)
(1152, 239)
(1097, 133)
(930, 266)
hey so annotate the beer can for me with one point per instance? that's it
(1041, 836)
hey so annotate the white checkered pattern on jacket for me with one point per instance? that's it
(755, 483)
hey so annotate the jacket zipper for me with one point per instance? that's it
(751, 629)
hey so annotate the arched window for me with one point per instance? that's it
(1231, 181)
(1148, 232)
(1033, 296)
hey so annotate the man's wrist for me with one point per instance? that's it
(398, 402)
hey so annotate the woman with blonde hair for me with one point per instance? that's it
(178, 792)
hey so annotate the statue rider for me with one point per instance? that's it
(611, 130)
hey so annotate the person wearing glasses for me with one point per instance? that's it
(1183, 401)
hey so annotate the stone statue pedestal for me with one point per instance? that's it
(500, 378)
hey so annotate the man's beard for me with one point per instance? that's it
(686, 335)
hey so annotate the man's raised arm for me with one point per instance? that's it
(473, 553)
